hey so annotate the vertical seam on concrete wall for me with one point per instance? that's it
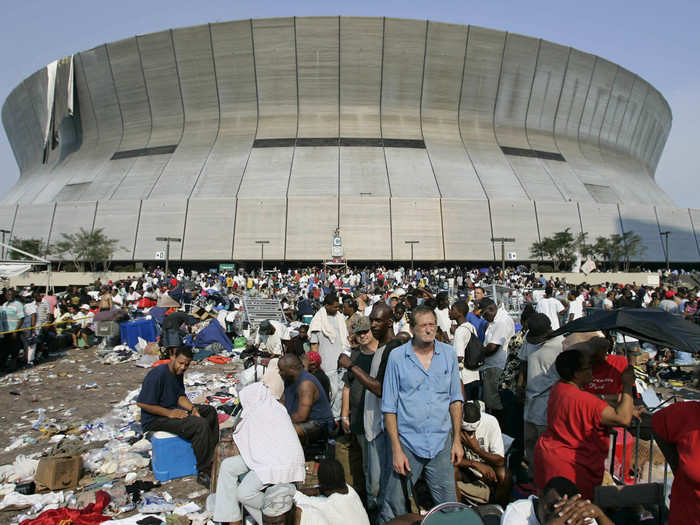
(150, 118)
(381, 134)
(53, 218)
(537, 222)
(94, 217)
(257, 123)
(493, 117)
(116, 95)
(294, 148)
(580, 219)
(218, 109)
(619, 218)
(561, 92)
(541, 163)
(695, 233)
(427, 151)
(459, 109)
(636, 124)
(184, 117)
(337, 224)
(663, 244)
(583, 109)
(532, 85)
(624, 113)
(14, 219)
(493, 247)
(138, 225)
(607, 106)
(184, 228)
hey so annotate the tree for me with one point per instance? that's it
(33, 246)
(560, 248)
(619, 248)
(631, 247)
(91, 247)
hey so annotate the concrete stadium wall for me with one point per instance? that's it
(388, 129)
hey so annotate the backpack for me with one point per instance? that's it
(474, 353)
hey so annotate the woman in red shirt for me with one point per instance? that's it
(576, 441)
(677, 432)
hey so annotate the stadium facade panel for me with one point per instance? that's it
(387, 129)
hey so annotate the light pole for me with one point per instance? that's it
(3, 231)
(262, 253)
(666, 234)
(503, 241)
(411, 243)
(167, 241)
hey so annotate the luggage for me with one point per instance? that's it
(225, 448)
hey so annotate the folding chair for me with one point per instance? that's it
(452, 513)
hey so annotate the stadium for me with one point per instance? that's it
(388, 130)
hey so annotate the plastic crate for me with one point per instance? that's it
(172, 458)
(143, 328)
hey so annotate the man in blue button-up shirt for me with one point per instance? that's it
(422, 406)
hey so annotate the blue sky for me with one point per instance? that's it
(657, 40)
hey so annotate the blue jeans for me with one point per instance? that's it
(376, 464)
(439, 474)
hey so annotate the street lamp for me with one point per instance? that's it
(503, 241)
(167, 241)
(666, 234)
(262, 253)
(411, 243)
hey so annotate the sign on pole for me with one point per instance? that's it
(160, 256)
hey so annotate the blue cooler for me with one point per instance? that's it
(306, 319)
(173, 457)
(131, 331)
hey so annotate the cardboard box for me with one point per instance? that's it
(59, 472)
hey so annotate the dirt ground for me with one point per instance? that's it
(59, 387)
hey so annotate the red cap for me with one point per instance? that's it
(670, 294)
(314, 357)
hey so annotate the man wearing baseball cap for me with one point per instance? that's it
(483, 467)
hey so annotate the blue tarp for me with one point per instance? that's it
(213, 332)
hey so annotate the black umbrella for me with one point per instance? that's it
(647, 324)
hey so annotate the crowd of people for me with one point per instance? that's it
(433, 383)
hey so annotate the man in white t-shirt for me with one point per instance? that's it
(462, 335)
(499, 332)
(271, 335)
(551, 307)
(575, 305)
(483, 467)
(540, 510)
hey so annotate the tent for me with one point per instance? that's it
(213, 333)
(167, 301)
(647, 324)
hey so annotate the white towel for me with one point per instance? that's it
(337, 509)
(266, 438)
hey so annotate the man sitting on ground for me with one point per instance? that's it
(164, 406)
(272, 337)
(305, 401)
(483, 466)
